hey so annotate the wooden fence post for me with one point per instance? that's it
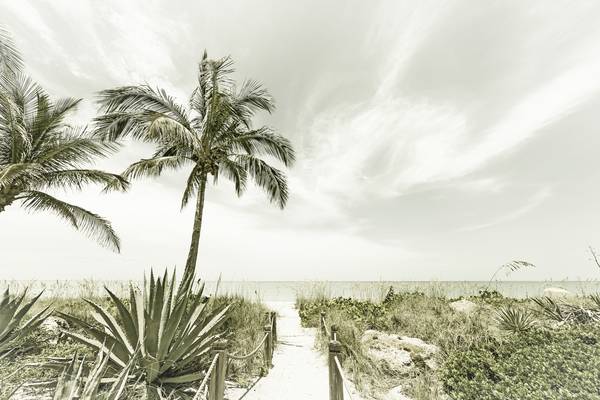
(216, 387)
(323, 321)
(274, 324)
(335, 378)
(334, 330)
(268, 348)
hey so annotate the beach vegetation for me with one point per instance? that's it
(503, 348)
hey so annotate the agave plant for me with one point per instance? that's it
(551, 309)
(596, 299)
(515, 320)
(72, 386)
(12, 312)
(172, 331)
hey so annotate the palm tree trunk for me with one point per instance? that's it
(190, 265)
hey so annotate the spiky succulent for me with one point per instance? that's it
(72, 385)
(515, 320)
(171, 331)
(13, 310)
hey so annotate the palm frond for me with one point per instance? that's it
(132, 100)
(194, 182)
(77, 178)
(50, 117)
(264, 142)
(117, 125)
(30, 172)
(197, 100)
(91, 224)
(271, 179)
(72, 149)
(10, 57)
(235, 173)
(169, 131)
(154, 166)
(252, 97)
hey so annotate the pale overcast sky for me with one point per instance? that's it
(435, 139)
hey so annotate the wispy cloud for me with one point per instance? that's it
(392, 141)
(531, 204)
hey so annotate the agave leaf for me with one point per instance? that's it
(7, 314)
(171, 329)
(165, 316)
(98, 346)
(120, 384)
(12, 312)
(196, 336)
(71, 385)
(117, 349)
(37, 319)
(90, 389)
(133, 308)
(25, 309)
(596, 299)
(127, 318)
(8, 319)
(179, 379)
(141, 322)
(112, 324)
(69, 381)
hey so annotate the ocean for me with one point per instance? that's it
(289, 290)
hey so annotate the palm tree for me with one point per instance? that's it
(40, 151)
(213, 136)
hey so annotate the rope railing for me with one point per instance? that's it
(253, 352)
(337, 380)
(324, 325)
(344, 380)
(213, 383)
(202, 388)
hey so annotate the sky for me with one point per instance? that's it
(435, 139)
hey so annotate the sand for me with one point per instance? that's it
(300, 372)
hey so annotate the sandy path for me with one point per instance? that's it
(299, 372)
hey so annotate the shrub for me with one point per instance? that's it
(535, 365)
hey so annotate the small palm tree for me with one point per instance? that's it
(214, 136)
(40, 151)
